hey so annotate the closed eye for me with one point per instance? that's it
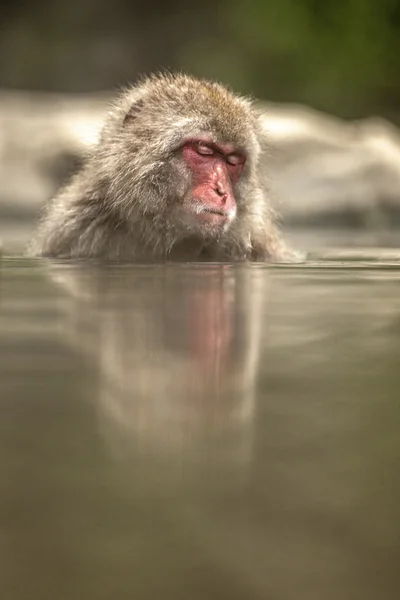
(204, 150)
(234, 159)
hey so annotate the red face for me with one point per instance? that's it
(215, 170)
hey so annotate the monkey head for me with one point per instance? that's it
(184, 151)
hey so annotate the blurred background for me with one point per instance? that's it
(327, 76)
(341, 57)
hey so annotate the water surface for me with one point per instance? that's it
(200, 431)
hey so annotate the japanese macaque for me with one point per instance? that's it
(173, 176)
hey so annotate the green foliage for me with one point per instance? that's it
(341, 56)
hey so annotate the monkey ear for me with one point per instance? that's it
(133, 111)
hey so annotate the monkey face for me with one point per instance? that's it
(215, 169)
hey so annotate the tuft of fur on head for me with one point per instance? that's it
(124, 203)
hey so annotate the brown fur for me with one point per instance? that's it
(123, 204)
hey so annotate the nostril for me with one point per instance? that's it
(223, 196)
(219, 188)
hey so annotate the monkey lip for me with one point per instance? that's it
(211, 214)
(214, 211)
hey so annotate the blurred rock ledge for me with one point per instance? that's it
(324, 171)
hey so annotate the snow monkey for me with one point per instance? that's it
(174, 176)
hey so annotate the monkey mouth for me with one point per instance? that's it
(215, 211)
(213, 215)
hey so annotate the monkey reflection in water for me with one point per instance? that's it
(175, 175)
(170, 372)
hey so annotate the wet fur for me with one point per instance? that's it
(123, 204)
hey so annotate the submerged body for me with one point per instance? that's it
(174, 175)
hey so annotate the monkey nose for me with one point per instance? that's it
(220, 189)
